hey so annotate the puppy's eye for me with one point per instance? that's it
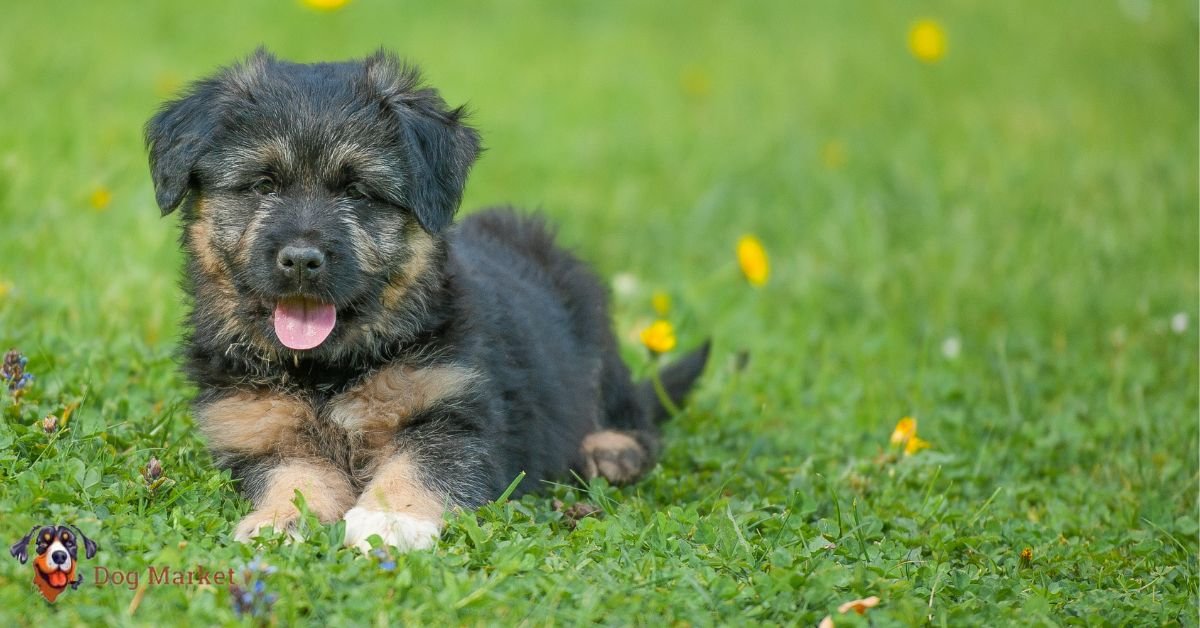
(263, 186)
(356, 191)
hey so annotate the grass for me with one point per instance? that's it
(1032, 196)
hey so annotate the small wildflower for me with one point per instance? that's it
(951, 348)
(251, 598)
(752, 257)
(167, 84)
(661, 302)
(575, 512)
(50, 424)
(325, 5)
(927, 41)
(152, 473)
(833, 154)
(13, 373)
(625, 284)
(153, 470)
(905, 434)
(695, 82)
(100, 198)
(1026, 557)
(859, 606)
(906, 428)
(1179, 322)
(915, 444)
(659, 337)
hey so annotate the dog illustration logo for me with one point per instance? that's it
(57, 557)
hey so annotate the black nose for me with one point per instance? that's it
(58, 557)
(300, 261)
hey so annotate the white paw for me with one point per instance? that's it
(399, 530)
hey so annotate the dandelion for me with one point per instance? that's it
(100, 198)
(325, 5)
(661, 302)
(1026, 557)
(905, 434)
(13, 373)
(927, 41)
(752, 257)
(659, 337)
(906, 428)
(695, 82)
(915, 444)
(1179, 322)
(833, 154)
(951, 348)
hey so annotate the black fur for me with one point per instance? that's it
(359, 160)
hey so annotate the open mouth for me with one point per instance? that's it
(56, 578)
(302, 323)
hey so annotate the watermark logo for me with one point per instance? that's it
(56, 559)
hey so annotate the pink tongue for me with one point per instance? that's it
(303, 324)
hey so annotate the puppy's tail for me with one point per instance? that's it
(677, 379)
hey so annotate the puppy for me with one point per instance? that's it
(57, 557)
(348, 341)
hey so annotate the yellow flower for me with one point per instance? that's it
(100, 198)
(833, 154)
(695, 82)
(659, 337)
(325, 5)
(906, 428)
(905, 435)
(915, 444)
(661, 302)
(927, 41)
(752, 257)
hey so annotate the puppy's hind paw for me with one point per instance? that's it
(402, 531)
(615, 456)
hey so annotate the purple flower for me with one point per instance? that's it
(12, 372)
(253, 599)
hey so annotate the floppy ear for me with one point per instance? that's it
(179, 134)
(20, 549)
(89, 546)
(439, 147)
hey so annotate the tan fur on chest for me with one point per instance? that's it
(356, 424)
(383, 403)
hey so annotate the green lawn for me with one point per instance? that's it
(1029, 200)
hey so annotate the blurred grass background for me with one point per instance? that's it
(1031, 196)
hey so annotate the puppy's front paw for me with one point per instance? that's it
(253, 524)
(402, 531)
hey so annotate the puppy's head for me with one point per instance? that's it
(313, 196)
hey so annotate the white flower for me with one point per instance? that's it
(625, 284)
(951, 347)
(1179, 322)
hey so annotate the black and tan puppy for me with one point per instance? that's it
(351, 344)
